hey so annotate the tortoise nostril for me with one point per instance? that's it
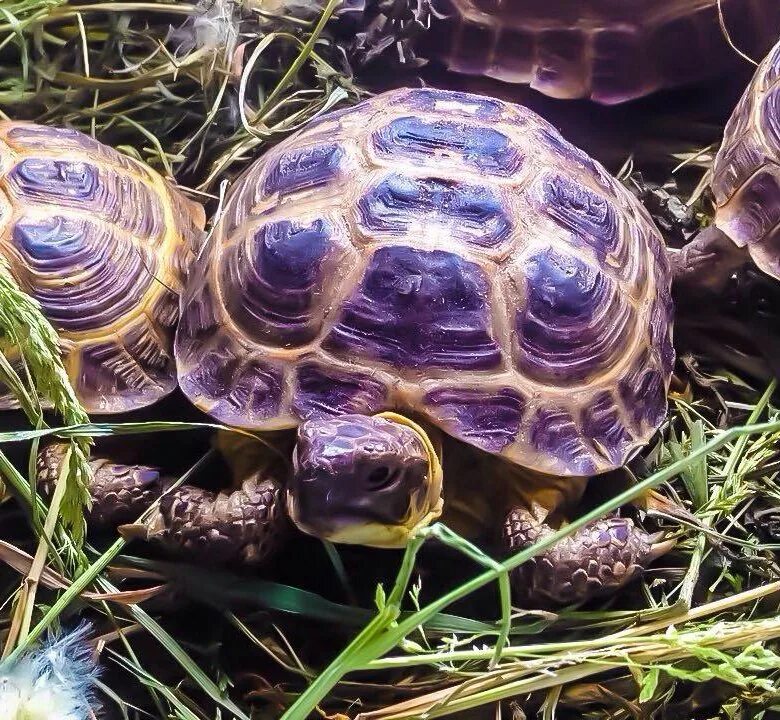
(382, 478)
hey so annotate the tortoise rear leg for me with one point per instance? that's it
(244, 525)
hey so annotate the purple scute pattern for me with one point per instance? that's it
(489, 419)
(271, 280)
(326, 392)
(472, 212)
(602, 425)
(110, 275)
(587, 215)
(574, 323)
(554, 434)
(418, 309)
(302, 169)
(482, 148)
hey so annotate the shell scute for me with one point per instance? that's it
(271, 279)
(484, 149)
(418, 309)
(324, 392)
(554, 434)
(601, 422)
(587, 215)
(489, 418)
(304, 168)
(574, 325)
(476, 213)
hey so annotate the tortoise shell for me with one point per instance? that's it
(100, 241)
(746, 171)
(444, 254)
(608, 50)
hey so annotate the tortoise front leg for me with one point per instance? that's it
(707, 262)
(120, 493)
(596, 560)
(245, 525)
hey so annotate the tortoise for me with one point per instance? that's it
(745, 184)
(440, 254)
(604, 50)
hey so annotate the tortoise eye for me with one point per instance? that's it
(382, 478)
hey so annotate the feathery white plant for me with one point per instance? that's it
(55, 681)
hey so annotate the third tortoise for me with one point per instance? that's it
(745, 184)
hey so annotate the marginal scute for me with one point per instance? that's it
(482, 148)
(326, 392)
(603, 426)
(115, 382)
(255, 396)
(235, 389)
(755, 208)
(771, 117)
(561, 53)
(554, 435)
(271, 279)
(574, 324)
(472, 212)
(489, 418)
(643, 393)
(419, 309)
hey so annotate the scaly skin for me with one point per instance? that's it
(245, 525)
(596, 560)
(120, 493)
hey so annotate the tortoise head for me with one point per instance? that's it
(364, 480)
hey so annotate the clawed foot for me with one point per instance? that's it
(245, 525)
(596, 560)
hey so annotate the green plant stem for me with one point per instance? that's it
(383, 633)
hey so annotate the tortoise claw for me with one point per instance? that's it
(596, 560)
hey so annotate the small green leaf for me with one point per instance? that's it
(380, 599)
(649, 685)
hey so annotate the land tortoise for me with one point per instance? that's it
(445, 255)
(607, 50)
(745, 184)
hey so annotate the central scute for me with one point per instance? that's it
(419, 309)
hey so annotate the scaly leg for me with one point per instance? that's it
(245, 525)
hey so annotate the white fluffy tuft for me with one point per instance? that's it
(53, 682)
